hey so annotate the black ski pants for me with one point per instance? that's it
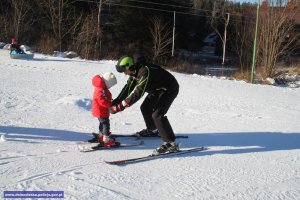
(154, 108)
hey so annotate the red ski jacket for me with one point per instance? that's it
(102, 98)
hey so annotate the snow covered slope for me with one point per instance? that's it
(252, 132)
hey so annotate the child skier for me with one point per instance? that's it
(102, 101)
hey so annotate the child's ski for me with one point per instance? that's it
(152, 157)
(96, 148)
(137, 136)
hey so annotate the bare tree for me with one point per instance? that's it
(241, 43)
(242, 34)
(99, 30)
(277, 37)
(84, 40)
(219, 19)
(161, 34)
(61, 16)
(4, 21)
(21, 16)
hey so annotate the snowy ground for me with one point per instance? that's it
(252, 132)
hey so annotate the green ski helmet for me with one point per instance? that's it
(125, 62)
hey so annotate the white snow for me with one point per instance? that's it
(252, 132)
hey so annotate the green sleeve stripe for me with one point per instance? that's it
(122, 92)
(129, 90)
(145, 80)
(126, 90)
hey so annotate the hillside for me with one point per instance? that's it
(252, 132)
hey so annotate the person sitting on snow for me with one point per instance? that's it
(15, 48)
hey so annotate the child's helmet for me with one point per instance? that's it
(125, 62)
(109, 79)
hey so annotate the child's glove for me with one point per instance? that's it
(119, 107)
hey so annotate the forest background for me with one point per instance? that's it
(170, 32)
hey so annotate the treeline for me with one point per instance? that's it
(100, 28)
(105, 29)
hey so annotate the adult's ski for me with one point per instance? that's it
(122, 145)
(137, 136)
(152, 157)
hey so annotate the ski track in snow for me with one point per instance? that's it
(252, 132)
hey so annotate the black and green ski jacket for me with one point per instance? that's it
(148, 78)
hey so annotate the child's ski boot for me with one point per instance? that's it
(107, 141)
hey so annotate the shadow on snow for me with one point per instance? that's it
(15, 133)
(245, 142)
(233, 143)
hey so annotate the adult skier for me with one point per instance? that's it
(162, 89)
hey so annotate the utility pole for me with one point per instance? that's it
(98, 36)
(173, 44)
(225, 38)
(254, 45)
(224, 42)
